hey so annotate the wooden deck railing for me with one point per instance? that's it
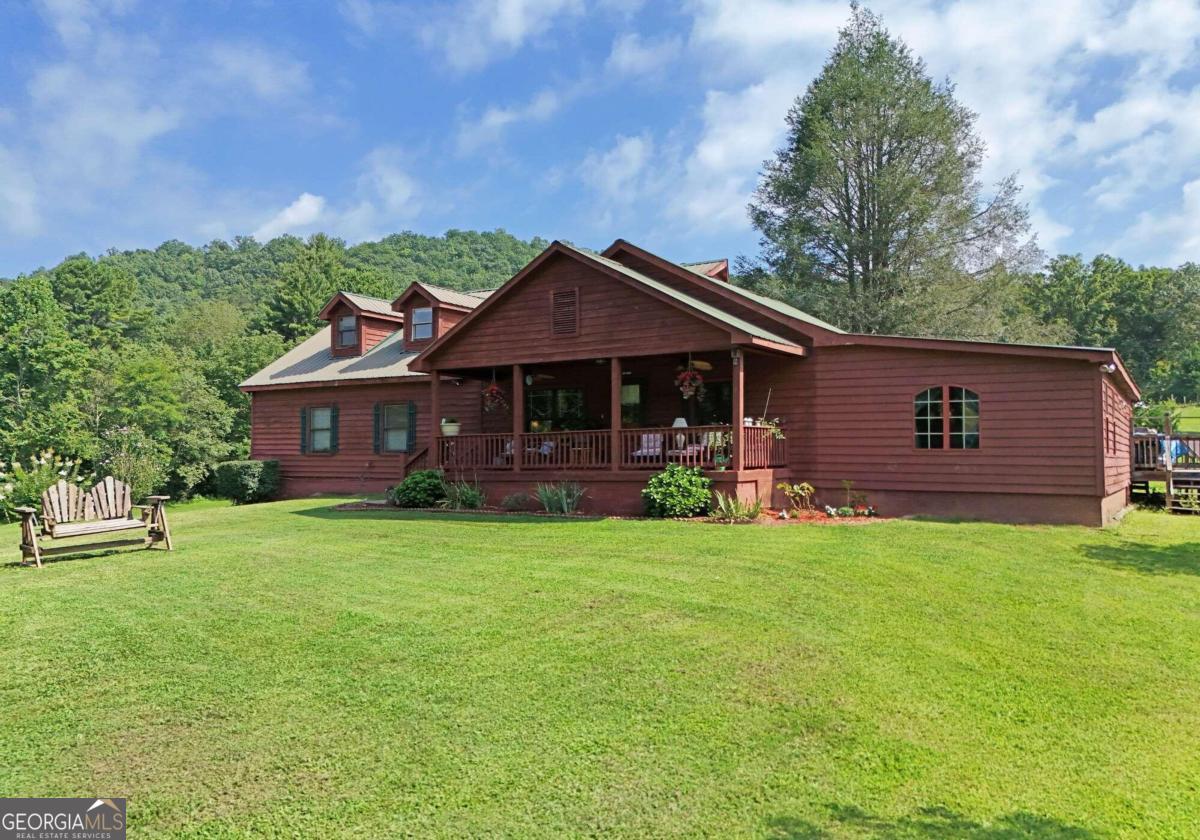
(691, 446)
(1150, 452)
(585, 450)
(761, 447)
(475, 452)
(650, 448)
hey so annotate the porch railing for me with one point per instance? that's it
(652, 448)
(762, 447)
(690, 446)
(476, 452)
(1150, 452)
(586, 450)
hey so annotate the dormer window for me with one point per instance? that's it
(347, 331)
(422, 323)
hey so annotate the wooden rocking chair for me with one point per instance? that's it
(67, 511)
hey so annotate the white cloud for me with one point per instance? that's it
(99, 107)
(252, 68)
(488, 128)
(470, 34)
(384, 194)
(631, 55)
(18, 197)
(301, 215)
(476, 32)
(1176, 231)
(740, 130)
(618, 175)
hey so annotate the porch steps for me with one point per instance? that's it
(1183, 490)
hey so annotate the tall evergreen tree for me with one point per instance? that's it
(306, 283)
(872, 214)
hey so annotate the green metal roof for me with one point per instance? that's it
(312, 362)
(778, 305)
(372, 304)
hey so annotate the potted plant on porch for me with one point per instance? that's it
(450, 427)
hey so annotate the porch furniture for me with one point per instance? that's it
(67, 511)
(650, 447)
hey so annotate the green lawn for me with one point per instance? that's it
(1189, 419)
(293, 671)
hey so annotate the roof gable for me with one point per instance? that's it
(361, 305)
(452, 298)
(738, 330)
(703, 276)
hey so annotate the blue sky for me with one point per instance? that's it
(127, 122)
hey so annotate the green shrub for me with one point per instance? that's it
(22, 483)
(130, 455)
(246, 481)
(422, 489)
(516, 501)
(730, 509)
(677, 491)
(560, 497)
(463, 495)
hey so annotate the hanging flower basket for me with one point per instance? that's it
(494, 398)
(690, 383)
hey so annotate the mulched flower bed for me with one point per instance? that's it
(770, 516)
(815, 517)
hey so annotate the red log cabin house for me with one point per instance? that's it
(570, 371)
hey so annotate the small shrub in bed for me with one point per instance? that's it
(516, 501)
(678, 491)
(246, 481)
(463, 495)
(560, 496)
(421, 489)
(730, 509)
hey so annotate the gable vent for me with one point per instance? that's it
(564, 312)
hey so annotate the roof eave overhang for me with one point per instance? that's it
(1098, 355)
(332, 383)
(813, 331)
(340, 297)
(776, 346)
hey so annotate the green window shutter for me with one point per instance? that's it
(378, 428)
(333, 429)
(303, 431)
(412, 426)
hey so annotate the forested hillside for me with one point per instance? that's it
(134, 358)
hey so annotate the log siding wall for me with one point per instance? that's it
(1117, 437)
(355, 467)
(1038, 422)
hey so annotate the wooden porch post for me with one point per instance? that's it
(518, 415)
(435, 416)
(739, 408)
(614, 420)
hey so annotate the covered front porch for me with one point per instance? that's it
(616, 414)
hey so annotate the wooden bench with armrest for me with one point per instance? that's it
(69, 511)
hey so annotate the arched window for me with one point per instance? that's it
(946, 418)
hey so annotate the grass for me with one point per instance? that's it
(1189, 419)
(293, 671)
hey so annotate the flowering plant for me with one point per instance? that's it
(690, 383)
(22, 483)
(494, 398)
